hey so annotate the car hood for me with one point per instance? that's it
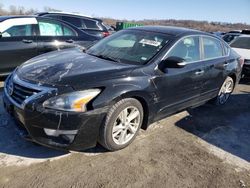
(245, 53)
(71, 67)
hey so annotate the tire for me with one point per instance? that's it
(225, 92)
(118, 131)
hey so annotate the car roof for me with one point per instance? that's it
(68, 14)
(3, 18)
(237, 34)
(170, 30)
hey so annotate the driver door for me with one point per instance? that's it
(180, 87)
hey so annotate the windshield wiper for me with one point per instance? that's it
(106, 58)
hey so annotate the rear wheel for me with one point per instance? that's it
(122, 124)
(225, 91)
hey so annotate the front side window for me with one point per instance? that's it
(241, 42)
(187, 49)
(19, 31)
(50, 28)
(212, 48)
(136, 47)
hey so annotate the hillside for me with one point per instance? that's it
(200, 25)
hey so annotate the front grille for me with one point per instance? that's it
(21, 93)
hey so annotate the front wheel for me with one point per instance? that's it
(225, 91)
(122, 124)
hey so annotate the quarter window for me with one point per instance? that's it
(91, 24)
(187, 49)
(19, 31)
(212, 48)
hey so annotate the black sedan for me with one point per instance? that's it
(24, 37)
(73, 100)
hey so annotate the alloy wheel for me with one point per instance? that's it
(126, 125)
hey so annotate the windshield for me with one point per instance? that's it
(241, 42)
(130, 46)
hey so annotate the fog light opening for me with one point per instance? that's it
(57, 133)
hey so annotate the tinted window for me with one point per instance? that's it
(73, 20)
(90, 24)
(68, 32)
(241, 42)
(136, 47)
(187, 49)
(50, 28)
(19, 30)
(212, 48)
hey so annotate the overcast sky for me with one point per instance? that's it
(209, 10)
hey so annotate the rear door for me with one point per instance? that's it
(181, 87)
(18, 43)
(55, 35)
(216, 64)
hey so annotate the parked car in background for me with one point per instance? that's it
(88, 24)
(121, 84)
(24, 37)
(235, 31)
(242, 46)
(229, 37)
(219, 33)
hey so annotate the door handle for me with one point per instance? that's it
(27, 41)
(200, 72)
(225, 64)
(69, 41)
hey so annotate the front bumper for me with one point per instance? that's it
(81, 129)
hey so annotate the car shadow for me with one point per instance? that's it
(226, 127)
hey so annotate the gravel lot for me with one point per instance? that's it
(203, 147)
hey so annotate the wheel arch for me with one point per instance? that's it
(143, 99)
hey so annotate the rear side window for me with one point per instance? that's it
(50, 28)
(212, 48)
(91, 24)
(241, 42)
(19, 31)
(187, 49)
(77, 22)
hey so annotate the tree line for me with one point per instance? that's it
(200, 25)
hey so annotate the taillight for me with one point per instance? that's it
(241, 61)
(105, 34)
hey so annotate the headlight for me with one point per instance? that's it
(72, 102)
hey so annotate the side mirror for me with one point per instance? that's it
(0, 35)
(172, 62)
